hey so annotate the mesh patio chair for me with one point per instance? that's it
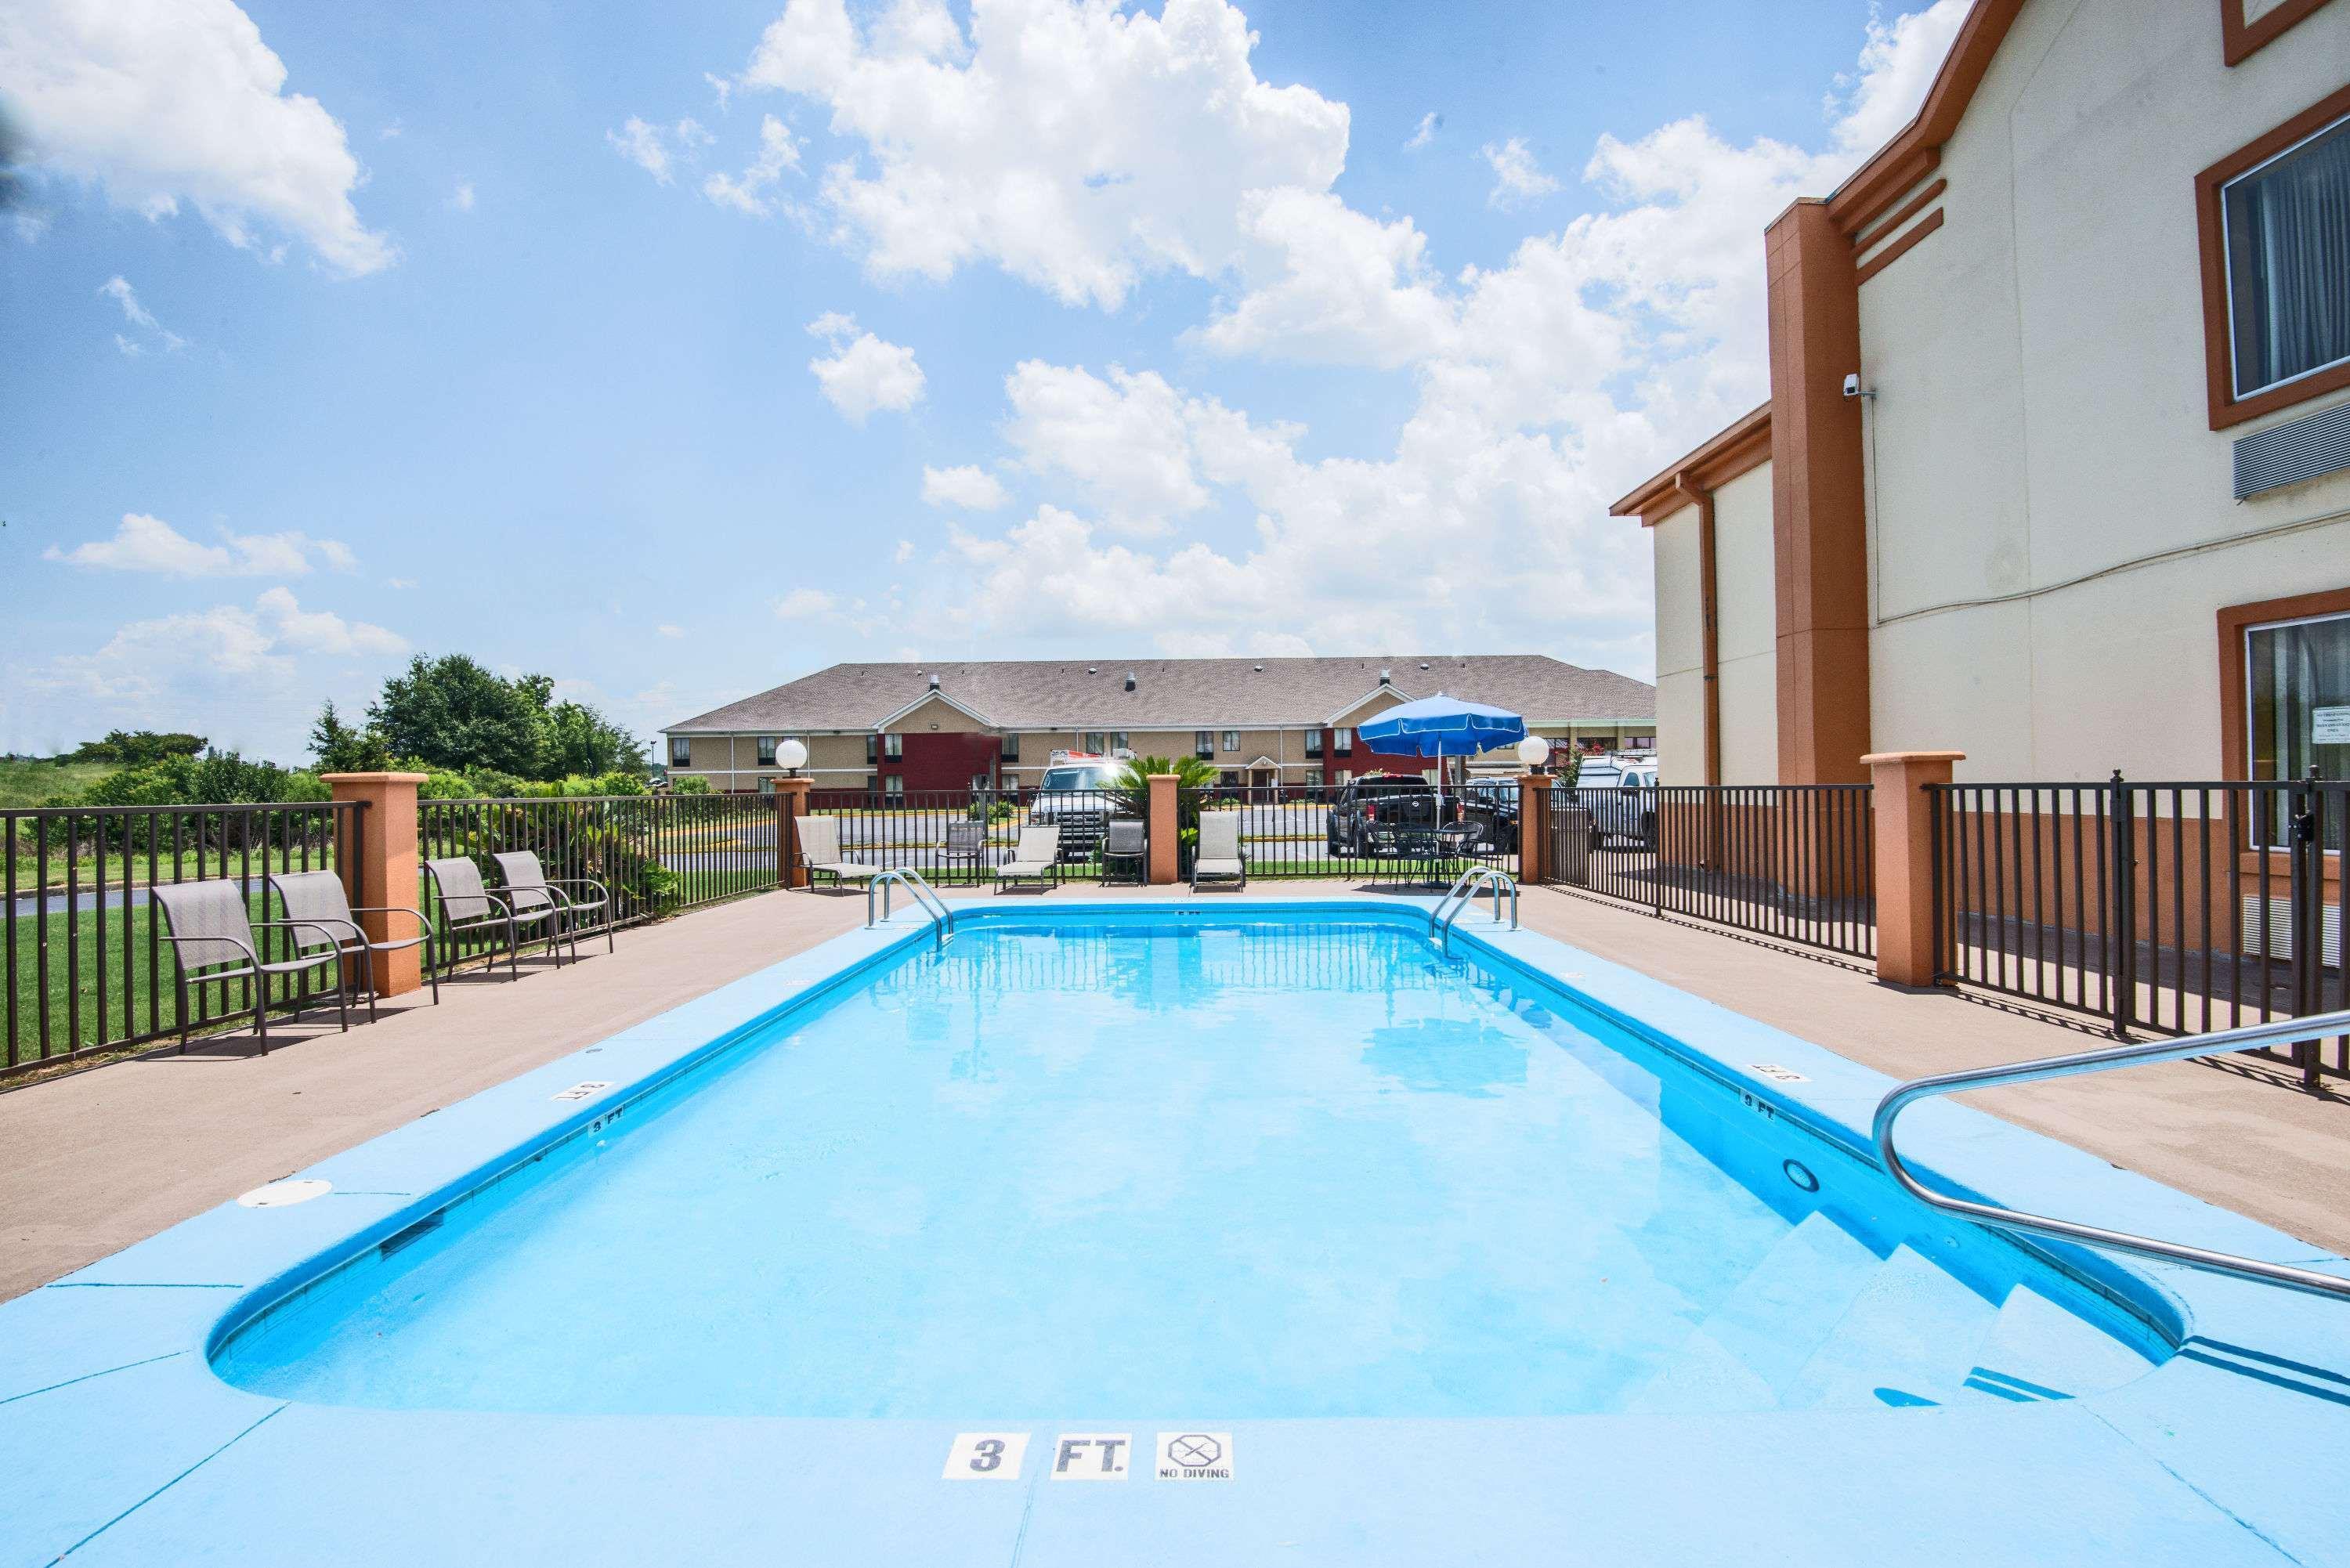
(1219, 857)
(318, 896)
(820, 838)
(1125, 848)
(526, 884)
(966, 841)
(212, 936)
(1035, 858)
(466, 905)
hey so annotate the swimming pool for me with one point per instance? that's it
(1321, 1245)
(1254, 1170)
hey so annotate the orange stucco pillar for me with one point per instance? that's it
(1905, 861)
(379, 867)
(791, 802)
(1164, 831)
(1533, 827)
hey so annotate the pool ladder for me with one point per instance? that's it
(1463, 893)
(2280, 1032)
(920, 890)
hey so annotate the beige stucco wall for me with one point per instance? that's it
(2041, 434)
(1681, 650)
(1746, 590)
(935, 715)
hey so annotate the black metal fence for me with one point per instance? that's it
(2170, 909)
(655, 855)
(88, 967)
(1796, 863)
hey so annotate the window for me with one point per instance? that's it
(872, 749)
(893, 746)
(1229, 779)
(1232, 740)
(1346, 777)
(1313, 742)
(1343, 741)
(2288, 224)
(872, 789)
(1203, 742)
(766, 786)
(1313, 778)
(1117, 742)
(2297, 698)
(2275, 223)
(767, 751)
(1095, 741)
(893, 786)
(680, 752)
(1010, 746)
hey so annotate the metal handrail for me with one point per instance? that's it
(2278, 1033)
(1440, 918)
(920, 889)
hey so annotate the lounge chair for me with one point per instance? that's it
(1125, 849)
(466, 905)
(211, 931)
(526, 884)
(318, 897)
(819, 840)
(1035, 858)
(1219, 857)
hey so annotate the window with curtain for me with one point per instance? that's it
(680, 752)
(767, 751)
(2288, 239)
(2299, 700)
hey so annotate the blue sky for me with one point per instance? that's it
(675, 351)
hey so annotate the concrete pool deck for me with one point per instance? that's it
(143, 1454)
(102, 1158)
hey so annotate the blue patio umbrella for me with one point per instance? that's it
(1442, 726)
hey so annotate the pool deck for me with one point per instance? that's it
(102, 1158)
(132, 1450)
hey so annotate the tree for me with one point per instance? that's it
(1193, 776)
(138, 748)
(579, 740)
(451, 713)
(341, 749)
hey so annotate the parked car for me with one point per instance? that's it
(1077, 795)
(1492, 804)
(1620, 794)
(1371, 811)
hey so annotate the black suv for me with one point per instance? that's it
(1366, 818)
(1492, 805)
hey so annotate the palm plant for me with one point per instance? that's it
(1192, 776)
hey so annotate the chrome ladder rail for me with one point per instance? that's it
(1456, 900)
(918, 888)
(2279, 1033)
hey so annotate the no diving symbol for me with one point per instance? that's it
(1194, 1448)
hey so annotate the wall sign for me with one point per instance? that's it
(2329, 726)
(1195, 1456)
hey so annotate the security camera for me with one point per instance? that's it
(1852, 385)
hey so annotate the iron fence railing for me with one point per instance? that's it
(1333, 831)
(656, 855)
(2171, 908)
(1796, 863)
(88, 970)
(959, 837)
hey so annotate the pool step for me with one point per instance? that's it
(2036, 1350)
(1758, 1336)
(1909, 1338)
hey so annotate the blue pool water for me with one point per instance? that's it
(1246, 1171)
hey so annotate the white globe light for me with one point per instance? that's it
(1533, 750)
(792, 754)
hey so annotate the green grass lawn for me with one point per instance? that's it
(134, 870)
(28, 783)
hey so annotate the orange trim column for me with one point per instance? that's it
(1164, 832)
(1533, 828)
(379, 867)
(1905, 861)
(791, 802)
(1818, 520)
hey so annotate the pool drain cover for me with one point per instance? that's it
(279, 1194)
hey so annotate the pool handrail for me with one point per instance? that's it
(917, 887)
(1440, 918)
(2277, 1032)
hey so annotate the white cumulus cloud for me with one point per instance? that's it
(864, 374)
(145, 544)
(1517, 177)
(1429, 123)
(163, 102)
(747, 192)
(970, 486)
(657, 150)
(804, 604)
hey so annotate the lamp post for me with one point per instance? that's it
(793, 755)
(1533, 752)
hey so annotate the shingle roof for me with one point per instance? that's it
(1178, 693)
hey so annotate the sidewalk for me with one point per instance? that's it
(101, 1159)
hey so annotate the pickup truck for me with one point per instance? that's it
(1622, 799)
(1369, 814)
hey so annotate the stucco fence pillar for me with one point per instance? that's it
(791, 803)
(1533, 828)
(1164, 831)
(1905, 861)
(378, 865)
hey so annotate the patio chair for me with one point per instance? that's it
(820, 851)
(1035, 858)
(318, 897)
(1125, 848)
(967, 841)
(527, 886)
(466, 905)
(1219, 857)
(211, 931)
